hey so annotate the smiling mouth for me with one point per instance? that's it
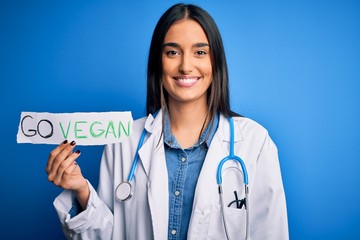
(186, 81)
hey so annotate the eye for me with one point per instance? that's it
(171, 53)
(200, 53)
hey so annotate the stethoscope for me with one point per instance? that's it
(124, 190)
(233, 157)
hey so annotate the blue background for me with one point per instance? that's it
(294, 67)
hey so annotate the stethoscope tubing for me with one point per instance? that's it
(231, 156)
(136, 157)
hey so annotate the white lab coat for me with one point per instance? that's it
(145, 215)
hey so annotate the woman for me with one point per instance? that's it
(175, 193)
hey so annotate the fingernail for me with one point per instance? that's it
(78, 151)
(65, 142)
(72, 143)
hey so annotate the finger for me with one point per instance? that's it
(66, 184)
(63, 155)
(68, 165)
(53, 155)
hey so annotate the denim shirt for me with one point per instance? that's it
(184, 166)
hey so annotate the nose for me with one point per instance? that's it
(186, 65)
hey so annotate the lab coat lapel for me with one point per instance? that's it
(206, 186)
(152, 156)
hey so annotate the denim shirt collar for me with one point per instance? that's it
(205, 137)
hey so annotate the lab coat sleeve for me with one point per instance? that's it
(96, 221)
(268, 206)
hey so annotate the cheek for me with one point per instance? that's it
(168, 66)
(206, 67)
(165, 80)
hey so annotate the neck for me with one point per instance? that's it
(187, 122)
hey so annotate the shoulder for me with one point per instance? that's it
(245, 129)
(249, 126)
(254, 133)
(242, 126)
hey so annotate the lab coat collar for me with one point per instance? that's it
(154, 123)
(224, 129)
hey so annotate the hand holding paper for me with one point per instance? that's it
(64, 172)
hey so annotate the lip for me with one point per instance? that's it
(186, 81)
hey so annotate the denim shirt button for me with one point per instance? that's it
(183, 159)
(177, 193)
(173, 232)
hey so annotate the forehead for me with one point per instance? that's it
(186, 30)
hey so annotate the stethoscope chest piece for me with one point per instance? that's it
(123, 192)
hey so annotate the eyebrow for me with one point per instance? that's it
(195, 45)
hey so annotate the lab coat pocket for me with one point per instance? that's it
(235, 223)
(234, 213)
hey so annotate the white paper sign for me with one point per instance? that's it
(85, 128)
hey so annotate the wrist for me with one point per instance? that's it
(83, 187)
(82, 194)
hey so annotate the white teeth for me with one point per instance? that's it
(187, 80)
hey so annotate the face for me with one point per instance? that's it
(186, 63)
